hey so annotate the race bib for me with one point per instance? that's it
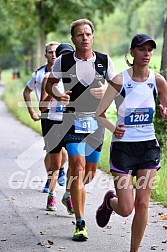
(59, 107)
(138, 116)
(85, 124)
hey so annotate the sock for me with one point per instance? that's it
(47, 184)
(80, 220)
(62, 168)
(52, 194)
(67, 194)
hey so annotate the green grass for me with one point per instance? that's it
(159, 193)
(105, 154)
(13, 98)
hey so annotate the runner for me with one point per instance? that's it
(34, 84)
(84, 73)
(56, 152)
(134, 149)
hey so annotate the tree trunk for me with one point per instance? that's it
(163, 69)
(41, 35)
(160, 125)
(40, 49)
(31, 52)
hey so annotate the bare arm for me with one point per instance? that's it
(45, 98)
(53, 91)
(50, 86)
(109, 96)
(27, 98)
(162, 94)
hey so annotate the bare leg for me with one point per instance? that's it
(68, 185)
(62, 175)
(124, 203)
(77, 189)
(64, 157)
(143, 190)
(47, 161)
(55, 162)
(47, 166)
(90, 171)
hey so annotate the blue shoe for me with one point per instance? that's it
(62, 177)
(45, 189)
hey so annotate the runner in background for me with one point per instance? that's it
(34, 84)
(56, 150)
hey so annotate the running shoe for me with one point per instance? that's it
(80, 233)
(104, 211)
(68, 203)
(51, 203)
(45, 189)
(62, 177)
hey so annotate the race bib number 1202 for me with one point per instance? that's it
(138, 116)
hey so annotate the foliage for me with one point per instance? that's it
(108, 38)
(163, 69)
(161, 131)
(105, 153)
(17, 32)
(114, 34)
(154, 24)
(159, 193)
(26, 25)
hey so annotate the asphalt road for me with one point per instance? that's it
(26, 226)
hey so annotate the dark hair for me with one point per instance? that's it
(64, 47)
(79, 22)
(127, 61)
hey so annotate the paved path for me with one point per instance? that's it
(26, 226)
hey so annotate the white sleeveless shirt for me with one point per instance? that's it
(135, 106)
(36, 81)
(56, 109)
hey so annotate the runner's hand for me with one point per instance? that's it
(35, 116)
(98, 92)
(119, 131)
(163, 111)
(65, 98)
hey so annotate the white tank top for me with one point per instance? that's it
(56, 109)
(136, 105)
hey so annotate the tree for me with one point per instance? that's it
(161, 126)
(163, 69)
(34, 19)
(52, 15)
(18, 33)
